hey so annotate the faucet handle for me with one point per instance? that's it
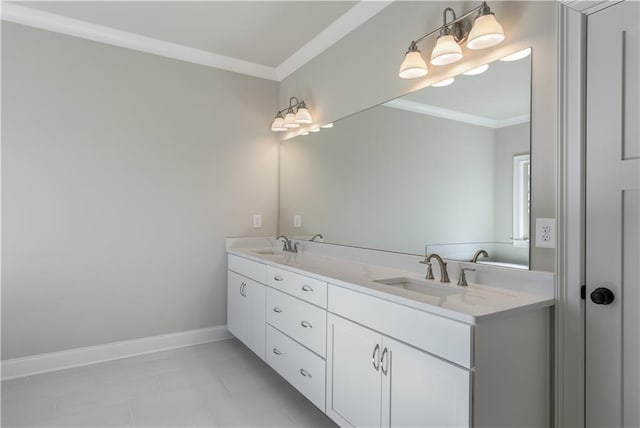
(462, 280)
(429, 274)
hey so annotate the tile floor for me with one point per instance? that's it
(217, 384)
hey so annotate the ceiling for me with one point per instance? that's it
(269, 39)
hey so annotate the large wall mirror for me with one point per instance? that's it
(443, 169)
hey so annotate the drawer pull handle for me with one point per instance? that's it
(306, 324)
(277, 309)
(307, 288)
(374, 357)
(242, 288)
(384, 363)
(277, 278)
(305, 373)
(277, 351)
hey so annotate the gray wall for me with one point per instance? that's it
(390, 179)
(361, 70)
(122, 173)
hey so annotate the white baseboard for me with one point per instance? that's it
(42, 363)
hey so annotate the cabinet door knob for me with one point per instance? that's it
(277, 351)
(307, 288)
(602, 296)
(277, 278)
(305, 373)
(306, 324)
(374, 357)
(384, 363)
(277, 309)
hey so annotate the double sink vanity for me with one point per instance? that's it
(370, 342)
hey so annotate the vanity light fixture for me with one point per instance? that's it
(517, 55)
(445, 82)
(477, 70)
(292, 119)
(484, 33)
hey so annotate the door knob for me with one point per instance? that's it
(602, 296)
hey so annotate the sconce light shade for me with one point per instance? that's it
(447, 51)
(477, 70)
(486, 32)
(413, 65)
(303, 115)
(290, 120)
(445, 82)
(278, 124)
(517, 55)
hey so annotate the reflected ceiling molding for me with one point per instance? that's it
(443, 113)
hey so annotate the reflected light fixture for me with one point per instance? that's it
(485, 32)
(477, 70)
(315, 129)
(291, 119)
(328, 125)
(445, 82)
(517, 55)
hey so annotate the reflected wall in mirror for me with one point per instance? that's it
(443, 169)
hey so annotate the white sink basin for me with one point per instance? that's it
(421, 286)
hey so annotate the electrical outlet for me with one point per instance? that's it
(257, 221)
(546, 232)
(297, 220)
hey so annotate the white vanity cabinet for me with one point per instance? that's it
(246, 304)
(379, 382)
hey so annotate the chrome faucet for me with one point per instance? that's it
(317, 235)
(479, 253)
(462, 280)
(287, 245)
(444, 276)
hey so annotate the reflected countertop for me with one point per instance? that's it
(475, 302)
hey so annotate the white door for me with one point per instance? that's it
(420, 390)
(612, 310)
(236, 306)
(353, 374)
(255, 311)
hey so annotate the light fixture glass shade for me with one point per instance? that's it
(315, 130)
(445, 82)
(477, 70)
(278, 124)
(517, 55)
(305, 133)
(328, 125)
(290, 120)
(486, 32)
(413, 66)
(303, 115)
(447, 51)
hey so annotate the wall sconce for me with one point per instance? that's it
(291, 120)
(485, 32)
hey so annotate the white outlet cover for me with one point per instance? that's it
(257, 221)
(546, 232)
(297, 220)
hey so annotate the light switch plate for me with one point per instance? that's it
(297, 220)
(546, 232)
(257, 221)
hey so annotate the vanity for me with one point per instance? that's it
(371, 344)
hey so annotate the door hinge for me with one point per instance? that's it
(583, 292)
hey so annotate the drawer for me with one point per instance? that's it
(449, 339)
(303, 322)
(299, 366)
(249, 268)
(308, 289)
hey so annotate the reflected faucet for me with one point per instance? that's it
(479, 253)
(287, 246)
(317, 235)
(444, 276)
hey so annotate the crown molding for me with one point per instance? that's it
(352, 19)
(587, 7)
(342, 26)
(444, 113)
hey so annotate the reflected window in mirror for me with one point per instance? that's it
(521, 199)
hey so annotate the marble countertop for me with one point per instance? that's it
(469, 304)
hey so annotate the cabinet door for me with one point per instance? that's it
(353, 378)
(420, 390)
(255, 310)
(237, 315)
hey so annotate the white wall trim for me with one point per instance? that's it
(342, 26)
(352, 19)
(430, 110)
(98, 33)
(43, 363)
